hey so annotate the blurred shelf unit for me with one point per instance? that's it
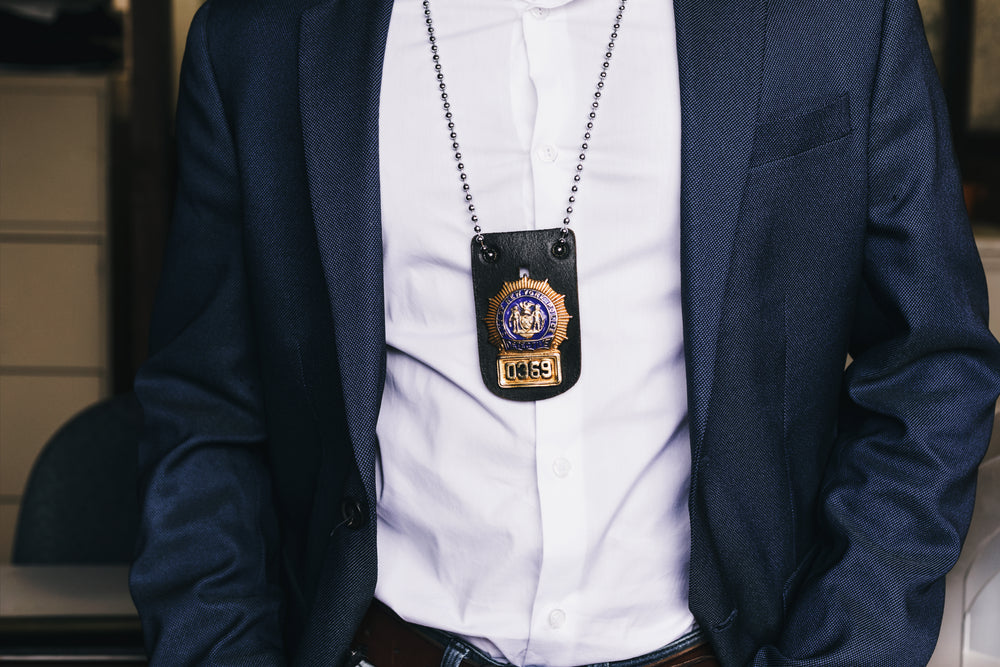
(54, 276)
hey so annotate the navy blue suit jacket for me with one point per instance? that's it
(821, 217)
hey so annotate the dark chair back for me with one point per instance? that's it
(79, 505)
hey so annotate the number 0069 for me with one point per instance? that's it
(534, 370)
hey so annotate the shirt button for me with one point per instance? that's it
(557, 619)
(561, 467)
(547, 153)
(539, 12)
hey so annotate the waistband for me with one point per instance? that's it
(386, 640)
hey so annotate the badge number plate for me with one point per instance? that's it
(544, 370)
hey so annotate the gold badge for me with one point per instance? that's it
(527, 323)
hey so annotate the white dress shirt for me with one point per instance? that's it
(554, 532)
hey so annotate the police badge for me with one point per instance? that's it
(526, 304)
(525, 282)
(527, 322)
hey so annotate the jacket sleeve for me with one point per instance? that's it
(202, 579)
(918, 398)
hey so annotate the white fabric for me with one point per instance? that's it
(551, 533)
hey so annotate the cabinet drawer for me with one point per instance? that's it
(52, 305)
(53, 162)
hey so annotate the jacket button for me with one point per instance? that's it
(352, 512)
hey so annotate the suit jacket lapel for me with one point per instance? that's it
(720, 49)
(340, 69)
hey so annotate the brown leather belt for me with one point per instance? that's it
(386, 640)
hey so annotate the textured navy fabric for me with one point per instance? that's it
(821, 216)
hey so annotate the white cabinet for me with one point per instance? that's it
(54, 278)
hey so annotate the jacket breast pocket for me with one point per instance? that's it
(784, 136)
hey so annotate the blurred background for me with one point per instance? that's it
(87, 89)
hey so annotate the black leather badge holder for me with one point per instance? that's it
(527, 313)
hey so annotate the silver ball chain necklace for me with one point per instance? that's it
(528, 328)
